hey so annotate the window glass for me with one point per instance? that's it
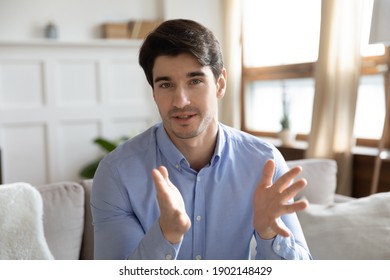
(370, 108)
(280, 31)
(264, 106)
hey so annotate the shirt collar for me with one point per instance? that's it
(167, 148)
(219, 146)
(175, 157)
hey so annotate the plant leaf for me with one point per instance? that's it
(105, 144)
(89, 171)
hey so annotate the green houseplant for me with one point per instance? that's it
(285, 120)
(107, 146)
(286, 135)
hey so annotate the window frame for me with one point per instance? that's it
(371, 65)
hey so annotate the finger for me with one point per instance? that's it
(278, 229)
(293, 189)
(296, 206)
(161, 179)
(161, 174)
(164, 172)
(268, 173)
(284, 181)
(158, 179)
(157, 176)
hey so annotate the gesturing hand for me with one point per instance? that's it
(271, 200)
(174, 221)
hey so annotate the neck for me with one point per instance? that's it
(198, 150)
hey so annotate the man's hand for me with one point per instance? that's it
(174, 221)
(270, 201)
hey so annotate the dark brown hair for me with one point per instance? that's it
(174, 37)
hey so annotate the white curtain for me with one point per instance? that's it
(231, 44)
(337, 78)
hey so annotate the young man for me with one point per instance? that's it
(191, 187)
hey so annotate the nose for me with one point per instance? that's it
(181, 97)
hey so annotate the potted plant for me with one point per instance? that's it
(107, 146)
(286, 135)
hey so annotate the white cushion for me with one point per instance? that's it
(357, 229)
(321, 176)
(21, 225)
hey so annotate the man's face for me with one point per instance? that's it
(186, 95)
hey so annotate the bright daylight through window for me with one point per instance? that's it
(281, 33)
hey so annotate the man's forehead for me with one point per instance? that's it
(183, 65)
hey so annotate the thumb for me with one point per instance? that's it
(161, 178)
(268, 173)
(164, 172)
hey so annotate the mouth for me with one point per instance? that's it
(184, 119)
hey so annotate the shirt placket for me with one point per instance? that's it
(199, 219)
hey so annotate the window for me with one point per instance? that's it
(370, 107)
(280, 32)
(280, 48)
(263, 117)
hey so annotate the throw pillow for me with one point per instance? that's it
(321, 176)
(21, 224)
(356, 230)
(63, 204)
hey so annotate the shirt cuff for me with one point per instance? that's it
(264, 248)
(284, 247)
(155, 247)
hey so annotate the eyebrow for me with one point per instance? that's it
(188, 75)
(196, 74)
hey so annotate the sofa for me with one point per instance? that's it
(335, 226)
(338, 227)
(65, 219)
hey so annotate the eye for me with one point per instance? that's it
(165, 85)
(195, 81)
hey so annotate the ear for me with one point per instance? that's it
(221, 84)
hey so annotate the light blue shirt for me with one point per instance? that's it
(218, 200)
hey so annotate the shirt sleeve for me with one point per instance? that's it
(118, 233)
(293, 247)
(155, 247)
(283, 248)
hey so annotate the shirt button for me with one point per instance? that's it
(198, 179)
(277, 247)
(198, 257)
(177, 166)
(198, 218)
(168, 257)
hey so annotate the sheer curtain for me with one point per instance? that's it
(230, 105)
(337, 78)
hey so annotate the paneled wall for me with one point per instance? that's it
(55, 98)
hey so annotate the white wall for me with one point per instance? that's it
(207, 12)
(82, 19)
(76, 19)
(55, 98)
(59, 141)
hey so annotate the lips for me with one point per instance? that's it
(183, 118)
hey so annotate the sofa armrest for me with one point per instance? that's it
(63, 205)
(87, 245)
(340, 198)
(320, 175)
(355, 229)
